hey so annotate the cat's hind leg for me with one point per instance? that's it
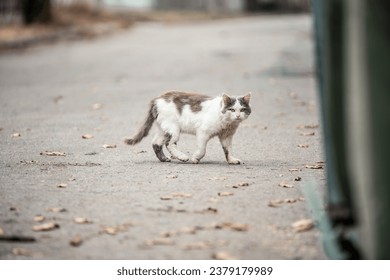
(158, 142)
(171, 143)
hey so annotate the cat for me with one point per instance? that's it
(204, 116)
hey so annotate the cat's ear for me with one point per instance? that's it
(226, 99)
(247, 98)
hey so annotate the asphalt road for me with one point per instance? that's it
(95, 202)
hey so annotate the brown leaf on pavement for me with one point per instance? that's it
(278, 202)
(298, 178)
(46, 227)
(166, 197)
(172, 176)
(315, 166)
(97, 106)
(222, 256)
(303, 146)
(1, 231)
(62, 186)
(225, 193)
(39, 218)
(15, 135)
(182, 195)
(312, 133)
(239, 185)
(76, 241)
(159, 241)
(87, 136)
(82, 220)
(233, 226)
(285, 184)
(295, 169)
(109, 146)
(53, 154)
(56, 209)
(303, 225)
(21, 252)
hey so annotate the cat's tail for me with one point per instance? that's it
(144, 130)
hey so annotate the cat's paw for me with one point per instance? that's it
(183, 158)
(234, 161)
(195, 160)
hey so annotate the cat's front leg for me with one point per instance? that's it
(201, 139)
(226, 143)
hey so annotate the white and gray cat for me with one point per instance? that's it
(200, 115)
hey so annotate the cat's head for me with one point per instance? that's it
(236, 108)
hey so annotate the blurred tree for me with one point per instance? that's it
(36, 11)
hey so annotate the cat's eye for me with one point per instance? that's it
(242, 110)
(231, 109)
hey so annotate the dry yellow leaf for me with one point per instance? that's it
(55, 154)
(39, 218)
(21, 252)
(109, 146)
(222, 256)
(45, 227)
(82, 220)
(225, 193)
(159, 241)
(285, 184)
(303, 225)
(76, 241)
(87, 136)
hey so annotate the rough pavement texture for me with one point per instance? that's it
(135, 206)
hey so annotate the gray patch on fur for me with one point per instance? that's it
(158, 150)
(245, 105)
(181, 99)
(226, 152)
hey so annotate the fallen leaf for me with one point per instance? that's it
(62, 185)
(173, 176)
(97, 106)
(225, 193)
(188, 230)
(298, 178)
(15, 135)
(87, 136)
(303, 225)
(166, 197)
(39, 218)
(312, 133)
(314, 166)
(1, 231)
(209, 210)
(303, 146)
(82, 220)
(285, 184)
(76, 241)
(48, 153)
(159, 241)
(213, 199)
(233, 226)
(108, 146)
(141, 152)
(222, 256)
(110, 230)
(217, 178)
(182, 195)
(201, 245)
(45, 227)
(56, 209)
(294, 170)
(241, 184)
(278, 202)
(21, 252)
